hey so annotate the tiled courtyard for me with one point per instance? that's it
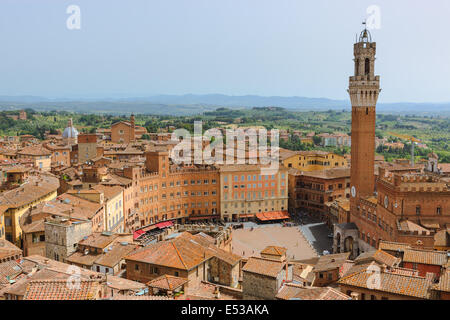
(247, 242)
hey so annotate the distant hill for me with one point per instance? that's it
(193, 104)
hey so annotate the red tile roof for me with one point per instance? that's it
(297, 292)
(266, 267)
(183, 252)
(395, 283)
(62, 290)
(7, 249)
(438, 258)
(167, 282)
(274, 250)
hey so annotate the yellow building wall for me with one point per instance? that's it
(113, 213)
(16, 213)
(43, 163)
(315, 162)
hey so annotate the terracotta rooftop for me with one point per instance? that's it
(33, 220)
(297, 292)
(113, 179)
(99, 239)
(49, 269)
(116, 254)
(60, 290)
(30, 191)
(167, 282)
(393, 246)
(274, 250)
(90, 208)
(8, 271)
(207, 291)
(331, 261)
(7, 249)
(266, 267)
(333, 173)
(405, 285)
(109, 192)
(37, 150)
(438, 258)
(379, 256)
(183, 252)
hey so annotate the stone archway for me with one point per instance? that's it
(348, 244)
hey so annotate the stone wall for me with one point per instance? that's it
(223, 273)
(61, 238)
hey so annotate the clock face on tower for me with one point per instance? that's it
(353, 190)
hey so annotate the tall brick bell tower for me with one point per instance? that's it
(364, 88)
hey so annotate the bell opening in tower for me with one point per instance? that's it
(367, 67)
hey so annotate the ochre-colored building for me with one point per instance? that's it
(311, 160)
(17, 201)
(246, 191)
(38, 154)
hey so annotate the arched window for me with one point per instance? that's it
(357, 67)
(367, 66)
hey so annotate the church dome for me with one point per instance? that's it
(70, 132)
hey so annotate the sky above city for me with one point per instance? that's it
(236, 47)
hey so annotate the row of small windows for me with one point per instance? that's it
(178, 183)
(179, 206)
(253, 195)
(235, 205)
(250, 186)
(178, 195)
(253, 178)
